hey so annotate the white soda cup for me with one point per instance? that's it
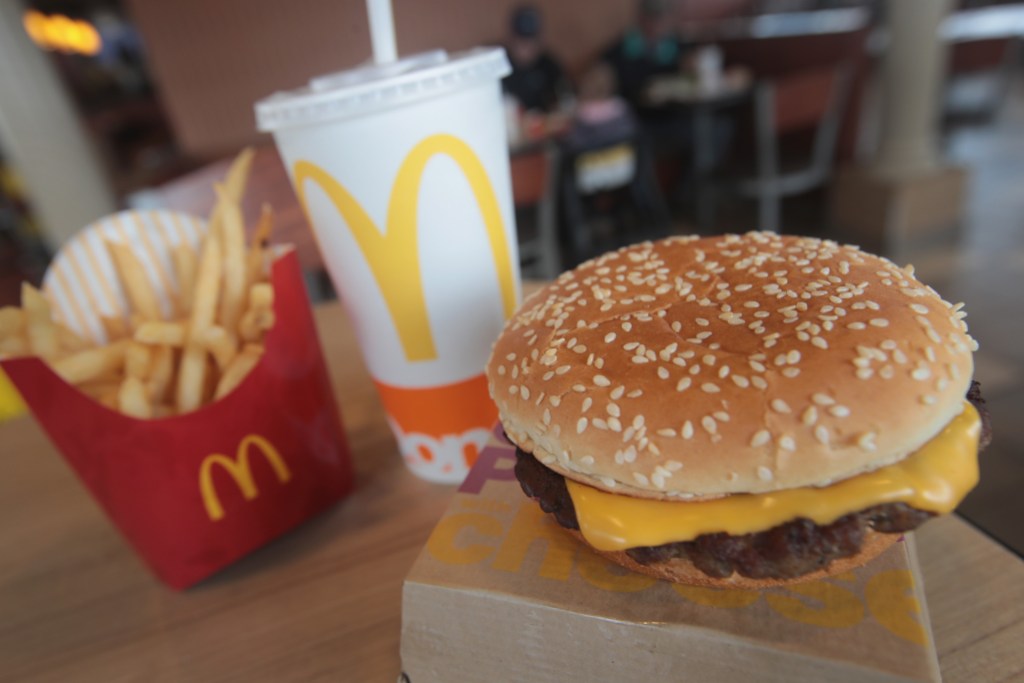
(403, 171)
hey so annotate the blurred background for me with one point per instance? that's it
(898, 126)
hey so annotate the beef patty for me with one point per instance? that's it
(788, 550)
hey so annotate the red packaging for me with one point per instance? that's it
(193, 493)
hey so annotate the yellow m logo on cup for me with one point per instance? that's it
(240, 472)
(393, 256)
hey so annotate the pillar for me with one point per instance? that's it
(41, 134)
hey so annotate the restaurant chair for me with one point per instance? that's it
(978, 76)
(534, 194)
(809, 101)
(616, 181)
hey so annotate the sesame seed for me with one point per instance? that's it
(687, 430)
(899, 356)
(791, 372)
(562, 369)
(614, 424)
(636, 393)
(919, 308)
(787, 443)
(581, 425)
(760, 438)
(865, 373)
(601, 381)
(629, 455)
(757, 366)
(684, 384)
(839, 411)
(793, 357)
(555, 401)
(667, 431)
(866, 441)
(819, 342)
(709, 424)
(823, 399)
(780, 406)
(857, 326)
(640, 479)
(740, 381)
(821, 434)
(513, 389)
(587, 460)
(810, 416)
(525, 393)
(764, 474)
(710, 387)
(929, 399)
(921, 373)
(759, 382)
(673, 465)
(609, 338)
(663, 372)
(501, 370)
(640, 359)
(579, 388)
(613, 410)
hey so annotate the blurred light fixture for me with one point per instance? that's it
(59, 33)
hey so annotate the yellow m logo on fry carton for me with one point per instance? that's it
(393, 256)
(240, 471)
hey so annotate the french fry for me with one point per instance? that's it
(115, 326)
(162, 410)
(162, 332)
(260, 316)
(240, 367)
(220, 345)
(101, 387)
(185, 265)
(138, 359)
(14, 345)
(192, 369)
(132, 399)
(69, 340)
(161, 374)
(255, 266)
(136, 284)
(232, 235)
(255, 323)
(238, 174)
(40, 330)
(12, 321)
(90, 364)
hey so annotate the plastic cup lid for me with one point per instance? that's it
(372, 87)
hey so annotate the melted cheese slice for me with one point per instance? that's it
(934, 478)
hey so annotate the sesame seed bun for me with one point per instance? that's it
(696, 368)
(683, 571)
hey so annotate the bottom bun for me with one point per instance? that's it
(683, 571)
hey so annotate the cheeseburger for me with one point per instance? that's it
(740, 410)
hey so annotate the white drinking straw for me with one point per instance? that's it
(382, 31)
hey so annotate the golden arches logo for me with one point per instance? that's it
(393, 255)
(240, 471)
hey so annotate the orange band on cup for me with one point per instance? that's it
(441, 410)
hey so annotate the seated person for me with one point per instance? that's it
(602, 118)
(649, 49)
(537, 80)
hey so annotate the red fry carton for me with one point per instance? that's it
(195, 492)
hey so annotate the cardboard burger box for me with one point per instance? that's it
(500, 592)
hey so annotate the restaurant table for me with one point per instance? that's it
(324, 602)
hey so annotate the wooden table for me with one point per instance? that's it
(323, 603)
